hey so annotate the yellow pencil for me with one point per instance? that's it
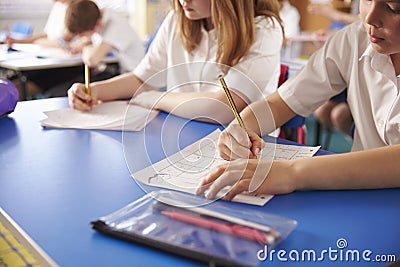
(232, 104)
(87, 79)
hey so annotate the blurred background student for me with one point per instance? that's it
(290, 17)
(291, 21)
(337, 17)
(108, 32)
(54, 35)
(335, 112)
(53, 30)
(197, 42)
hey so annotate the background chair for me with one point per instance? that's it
(21, 30)
(294, 128)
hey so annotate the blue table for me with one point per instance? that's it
(54, 182)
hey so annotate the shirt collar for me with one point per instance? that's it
(379, 61)
(211, 33)
(369, 52)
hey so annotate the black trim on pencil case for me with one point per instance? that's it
(102, 227)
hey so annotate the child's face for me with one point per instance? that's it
(381, 19)
(196, 9)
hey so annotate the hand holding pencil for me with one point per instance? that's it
(236, 141)
(81, 96)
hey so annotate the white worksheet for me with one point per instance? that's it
(113, 115)
(183, 170)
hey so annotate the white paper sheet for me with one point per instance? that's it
(183, 170)
(45, 52)
(113, 115)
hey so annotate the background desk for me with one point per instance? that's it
(54, 182)
(21, 62)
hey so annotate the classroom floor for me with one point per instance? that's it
(338, 143)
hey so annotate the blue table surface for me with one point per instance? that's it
(54, 182)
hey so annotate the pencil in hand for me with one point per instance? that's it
(232, 104)
(87, 79)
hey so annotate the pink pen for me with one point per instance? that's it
(237, 230)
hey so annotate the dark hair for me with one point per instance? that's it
(81, 16)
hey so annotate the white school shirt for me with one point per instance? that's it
(55, 24)
(348, 60)
(117, 32)
(255, 76)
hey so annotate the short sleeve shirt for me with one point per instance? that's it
(291, 19)
(55, 24)
(117, 32)
(168, 64)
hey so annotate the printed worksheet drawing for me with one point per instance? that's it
(183, 170)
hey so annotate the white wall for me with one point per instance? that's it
(32, 11)
(144, 15)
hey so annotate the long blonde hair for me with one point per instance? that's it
(234, 25)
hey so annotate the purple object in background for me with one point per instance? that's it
(8, 97)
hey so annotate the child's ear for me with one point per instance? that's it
(98, 25)
(99, 21)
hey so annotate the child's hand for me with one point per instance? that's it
(9, 41)
(78, 45)
(248, 175)
(79, 99)
(234, 143)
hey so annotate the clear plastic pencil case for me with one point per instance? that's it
(194, 227)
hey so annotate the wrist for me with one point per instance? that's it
(158, 99)
(297, 181)
(234, 123)
(94, 88)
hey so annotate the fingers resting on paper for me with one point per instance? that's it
(79, 99)
(235, 143)
(219, 178)
(248, 175)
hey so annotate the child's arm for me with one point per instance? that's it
(31, 39)
(375, 168)
(93, 55)
(203, 106)
(120, 87)
(260, 118)
(369, 169)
